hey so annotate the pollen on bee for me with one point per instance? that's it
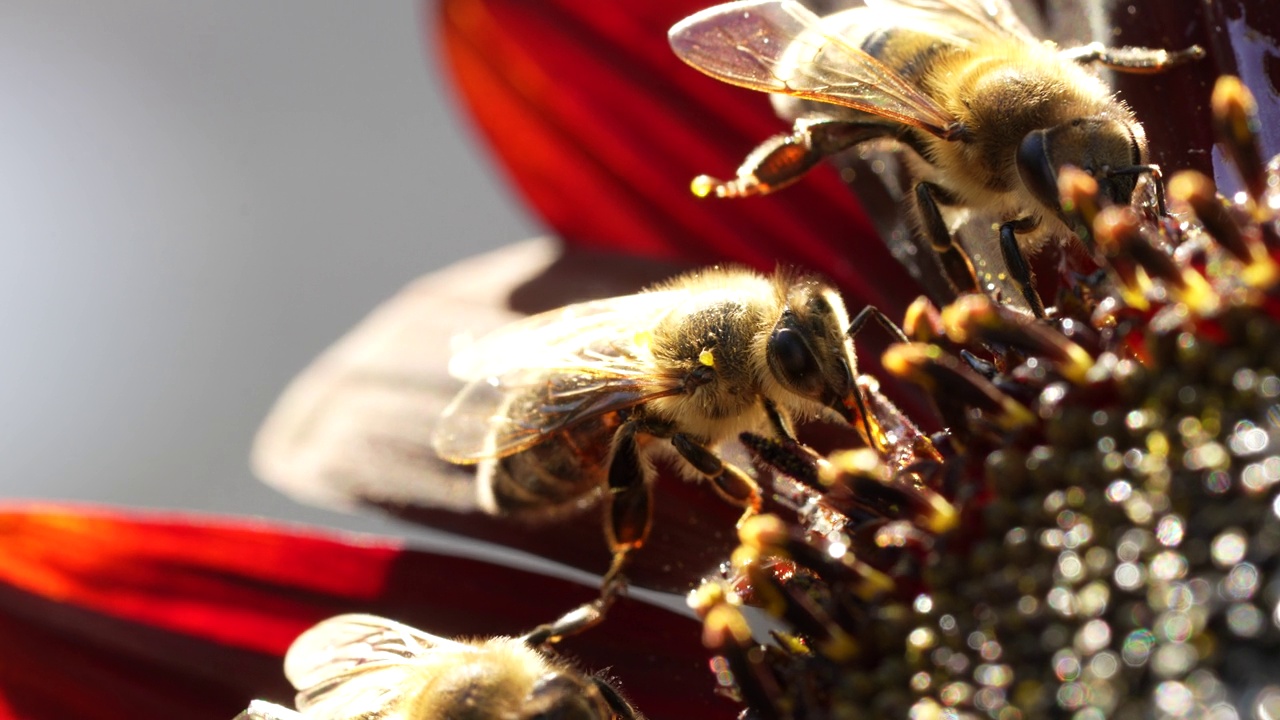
(643, 339)
(702, 186)
(707, 358)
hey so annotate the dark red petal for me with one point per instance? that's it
(108, 614)
(1240, 37)
(602, 128)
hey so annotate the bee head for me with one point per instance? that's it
(561, 696)
(808, 351)
(1108, 148)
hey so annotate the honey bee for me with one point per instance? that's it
(363, 667)
(990, 112)
(570, 405)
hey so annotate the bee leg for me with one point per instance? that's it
(786, 157)
(1019, 268)
(584, 617)
(955, 261)
(729, 481)
(1138, 60)
(627, 520)
(588, 614)
(626, 527)
(630, 496)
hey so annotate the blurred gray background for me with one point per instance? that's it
(195, 200)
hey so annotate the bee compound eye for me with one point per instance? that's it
(1036, 167)
(556, 696)
(793, 359)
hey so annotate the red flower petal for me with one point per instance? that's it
(111, 615)
(1240, 37)
(602, 128)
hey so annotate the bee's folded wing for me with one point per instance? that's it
(969, 19)
(548, 372)
(359, 666)
(553, 338)
(779, 46)
(496, 417)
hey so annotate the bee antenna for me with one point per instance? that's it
(869, 312)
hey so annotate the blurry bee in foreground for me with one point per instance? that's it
(564, 406)
(990, 112)
(362, 667)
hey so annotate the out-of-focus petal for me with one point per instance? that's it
(107, 614)
(602, 128)
(1241, 37)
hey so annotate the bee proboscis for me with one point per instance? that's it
(990, 112)
(364, 667)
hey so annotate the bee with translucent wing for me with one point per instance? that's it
(363, 667)
(990, 112)
(569, 406)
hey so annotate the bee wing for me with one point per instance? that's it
(496, 416)
(552, 338)
(360, 666)
(547, 372)
(966, 19)
(766, 44)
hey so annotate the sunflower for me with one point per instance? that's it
(122, 614)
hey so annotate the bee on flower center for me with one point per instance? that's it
(566, 407)
(990, 113)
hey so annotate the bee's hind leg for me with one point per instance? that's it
(786, 157)
(627, 520)
(588, 614)
(630, 493)
(584, 617)
(1139, 60)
